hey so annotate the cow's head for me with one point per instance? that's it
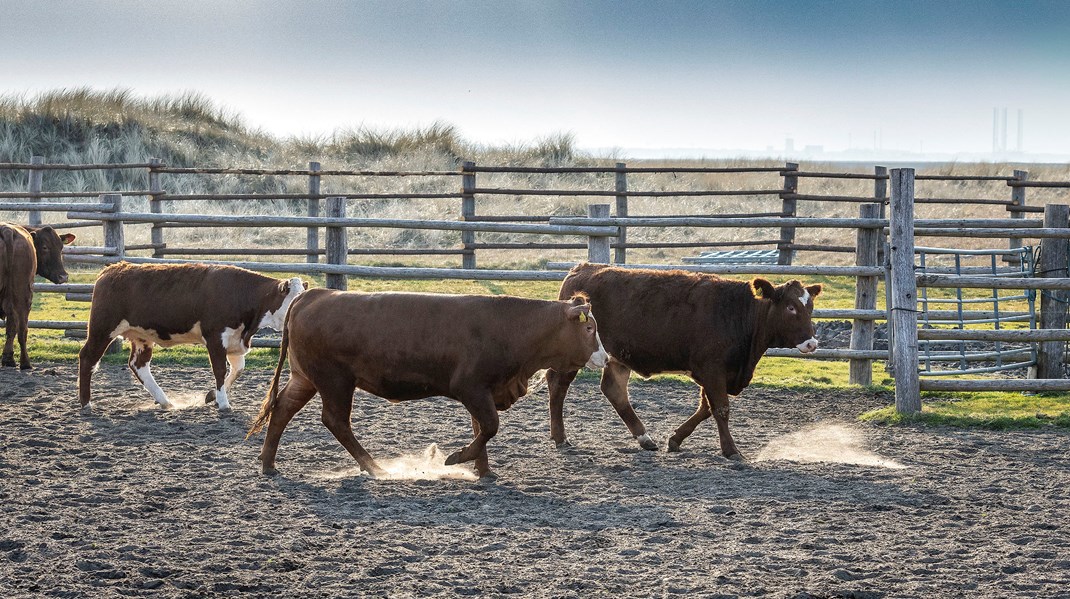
(791, 306)
(48, 245)
(279, 303)
(580, 342)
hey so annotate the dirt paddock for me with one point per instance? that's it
(131, 500)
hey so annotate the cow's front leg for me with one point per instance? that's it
(615, 388)
(140, 356)
(485, 417)
(684, 431)
(217, 355)
(557, 383)
(237, 366)
(24, 327)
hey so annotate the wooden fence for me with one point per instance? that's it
(603, 234)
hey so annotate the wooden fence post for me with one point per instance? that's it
(313, 237)
(868, 241)
(880, 187)
(33, 183)
(113, 229)
(788, 209)
(1017, 201)
(1054, 259)
(904, 297)
(337, 246)
(156, 207)
(598, 247)
(621, 253)
(468, 210)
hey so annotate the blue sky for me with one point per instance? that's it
(716, 74)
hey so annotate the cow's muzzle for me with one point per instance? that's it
(808, 346)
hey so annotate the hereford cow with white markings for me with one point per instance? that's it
(478, 350)
(24, 252)
(713, 329)
(218, 306)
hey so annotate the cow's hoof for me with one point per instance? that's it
(736, 457)
(26, 366)
(488, 476)
(564, 445)
(209, 397)
(646, 442)
(269, 471)
(673, 445)
(453, 459)
(87, 408)
(225, 408)
(10, 362)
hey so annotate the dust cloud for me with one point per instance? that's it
(428, 465)
(837, 443)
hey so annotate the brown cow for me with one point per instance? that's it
(218, 306)
(25, 251)
(479, 350)
(713, 329)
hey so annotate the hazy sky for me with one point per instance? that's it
(686, 74)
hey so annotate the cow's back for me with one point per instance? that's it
(663, 321)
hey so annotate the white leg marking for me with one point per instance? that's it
(145, 375)
(221, 398)
(237, 365)
(644, 438)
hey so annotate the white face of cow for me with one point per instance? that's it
(600, 357)
(276, 320)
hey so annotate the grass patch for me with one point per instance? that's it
(986, 410)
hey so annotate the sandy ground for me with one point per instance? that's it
(131, 500)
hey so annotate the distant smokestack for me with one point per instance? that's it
(1021, 124)
(995, 130)
(1003, 130)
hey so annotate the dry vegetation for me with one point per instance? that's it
(85, 126)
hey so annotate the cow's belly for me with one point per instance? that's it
(399, 390)
(152, 336)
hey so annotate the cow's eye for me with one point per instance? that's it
(791, 309)
(590, 329)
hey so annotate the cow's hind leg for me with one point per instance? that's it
(92, 351)
(24, 327)
(140, 356)
(337, 414)
(485, 417)
(558, 383)
(293, 396)
(8, 357)
(615, 388)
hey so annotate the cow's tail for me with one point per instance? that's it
(272, 398)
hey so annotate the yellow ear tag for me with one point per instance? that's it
(583, 317)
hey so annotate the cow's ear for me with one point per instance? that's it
(763, 288)
(305, 285)
(579, 299)
(67, 238)
(814, 290)
(581, 313)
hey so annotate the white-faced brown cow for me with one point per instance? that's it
(713, 329)
(24, 252)
(220, 307)
(479, 350)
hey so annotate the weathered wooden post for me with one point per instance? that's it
(313, 241)
(113, 229)
(33, 183)
(468, 210)
(337, 246)
(1017, 201)
(156, 207)
(880, 187)
(1054, 257)
(788, 209)
(904, 293)
(621, 253)
(598, 247)
(867, 244)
